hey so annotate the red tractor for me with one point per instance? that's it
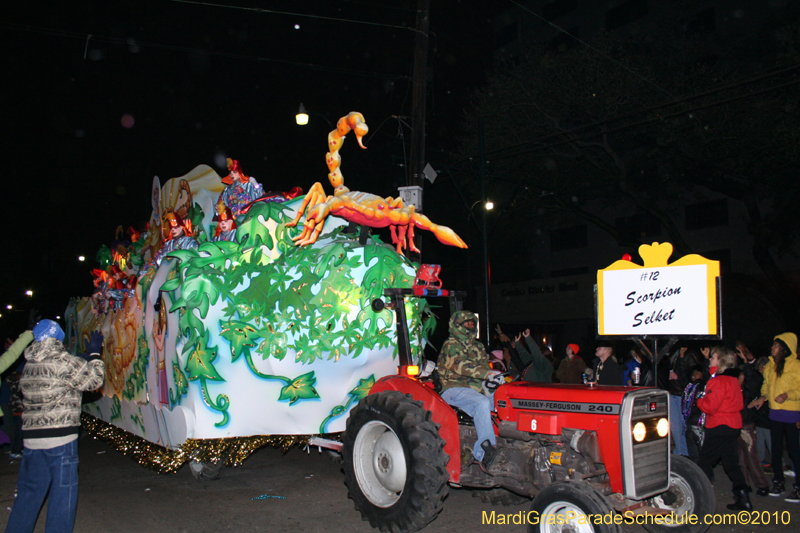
(589, 457)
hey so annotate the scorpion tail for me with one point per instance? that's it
(355, 121)
(448, 236)
(443, 233)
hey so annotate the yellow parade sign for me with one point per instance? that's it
(658, 298)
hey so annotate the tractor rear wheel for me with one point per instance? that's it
(394, 462)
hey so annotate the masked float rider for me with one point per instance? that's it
(240, 189)
(226, 224)
(181, 236)
(463, 369)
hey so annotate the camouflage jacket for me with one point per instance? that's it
(463, 361)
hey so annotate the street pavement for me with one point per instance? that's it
(119, 496)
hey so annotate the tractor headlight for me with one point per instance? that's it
(662, 428)
(639, 432)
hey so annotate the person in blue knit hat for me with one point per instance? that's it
(52, 383)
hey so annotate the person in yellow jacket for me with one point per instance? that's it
(6, 360)
(781, 389)
(15, 350)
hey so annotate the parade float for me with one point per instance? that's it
(239, 318)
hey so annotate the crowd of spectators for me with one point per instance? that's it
(726, 404)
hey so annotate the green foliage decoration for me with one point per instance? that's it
(305, 300)
(300, 388)
(138, 420)
(200, 367)
(137, 379)
(116, 408)
(354, 396)
(181, 385)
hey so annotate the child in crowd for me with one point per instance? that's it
(693, 418)
(633, 366)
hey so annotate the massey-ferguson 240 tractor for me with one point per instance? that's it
(588, 456)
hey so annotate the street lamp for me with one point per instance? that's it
(29, 293)
(302, 116)
(484, 315)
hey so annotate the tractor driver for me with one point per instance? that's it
(464, 369)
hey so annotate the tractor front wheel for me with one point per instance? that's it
(571, 507)
(690, 494)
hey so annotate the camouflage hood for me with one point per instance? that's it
(459, 331)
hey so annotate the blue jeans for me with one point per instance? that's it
(676, 426)
(764, 442)
(56, 470)
(479, 407)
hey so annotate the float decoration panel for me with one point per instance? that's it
(255, 336)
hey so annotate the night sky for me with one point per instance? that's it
(99, 97)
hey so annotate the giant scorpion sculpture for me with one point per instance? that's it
(362, 207)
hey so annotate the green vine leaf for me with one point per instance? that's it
(142, 348)
(301, 388)
(241, 335)
(253, 232)
(183, 256)
(190, 324)
(170, 285)
(333, 256)
(266, 286)
(354, 396)
(274, 343)
(200, 292)
(201, 361)
(116, 408)
(371, 321)
(357, 344)
(387, 271)
(362, 389)
(298, 295)
(181, 384)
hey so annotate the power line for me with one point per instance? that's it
(590, 47)
(646, 121)
(119, 41)
(656, 107)
(303, 15)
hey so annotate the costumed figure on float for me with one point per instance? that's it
(226, 223)
(240, 189)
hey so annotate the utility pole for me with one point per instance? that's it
(418, 103)
(485, 326)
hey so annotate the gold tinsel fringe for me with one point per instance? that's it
(233, 451)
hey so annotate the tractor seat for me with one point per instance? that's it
(463, 418)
